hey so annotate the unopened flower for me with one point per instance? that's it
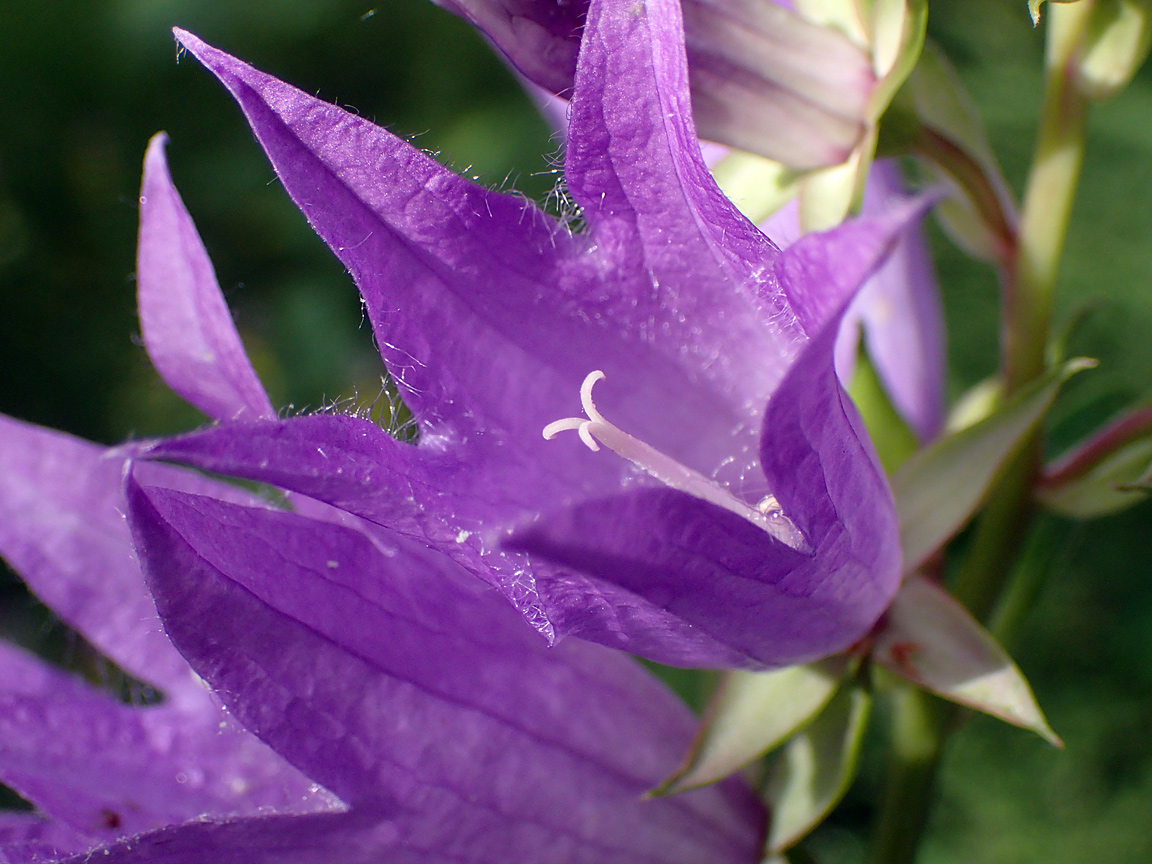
(763, 78)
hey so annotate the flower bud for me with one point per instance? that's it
(1115, 45)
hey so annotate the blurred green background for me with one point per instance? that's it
(84, 83)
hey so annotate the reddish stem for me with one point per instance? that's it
(1091, 452)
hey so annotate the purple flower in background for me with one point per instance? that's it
(94, 768)
(385, 672)
(742, 520)
(97, 769)
(898, 311)
(763, 78)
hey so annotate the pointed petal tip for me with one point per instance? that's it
(184, 320)
(184, 37)
(156, 145)
(197, 47)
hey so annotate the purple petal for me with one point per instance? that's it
(822, 271)
(489, 315)
(425, 493)
(401, 679)
(36, 837)
(62, 529)
(109, 770)
(358, 837)
(634, 166)
(899, 307)
(448, 270)
(541, 39)
(821, 465)
(676, 579)
(186, 326)
(903, 318)
(324, 838)
(356, 466)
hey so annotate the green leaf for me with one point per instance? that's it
(815, 769)
(940, 488)
(980, 214)
(1117, 482)
(752, 713)
(933, 641)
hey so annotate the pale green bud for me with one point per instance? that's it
(1115, 44)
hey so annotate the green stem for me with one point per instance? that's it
(1092, 451)
(999, 534)
(1048, 200)
(1048, 540)
(920, 723)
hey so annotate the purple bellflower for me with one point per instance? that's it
(762, 78)
(741, 520)
(384, 671)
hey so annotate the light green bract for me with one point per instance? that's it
(940, 488)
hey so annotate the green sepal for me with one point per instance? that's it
(816, 768)
(931, 640)
(941, 487)
(1118, 481)
(750, 714)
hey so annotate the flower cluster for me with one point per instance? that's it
(391, 656)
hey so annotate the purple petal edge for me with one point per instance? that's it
(185, 322)
(457, 708)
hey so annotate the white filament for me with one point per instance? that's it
(595, 430)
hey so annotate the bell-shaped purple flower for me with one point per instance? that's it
(742, 519)
(370, 663)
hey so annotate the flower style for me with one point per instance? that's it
(717, 350)
(403, 684)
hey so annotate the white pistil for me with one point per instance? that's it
(595, 430)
